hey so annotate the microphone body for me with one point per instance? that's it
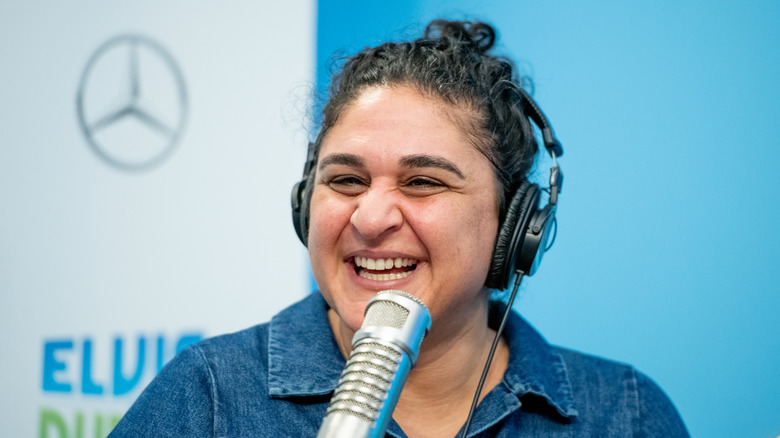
(383, 351)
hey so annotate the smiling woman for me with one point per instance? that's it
(417, 181)
(390, 201)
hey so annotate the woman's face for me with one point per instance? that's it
(402, 200)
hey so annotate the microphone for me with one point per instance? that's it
(383, 351)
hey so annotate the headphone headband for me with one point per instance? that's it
(535, 113)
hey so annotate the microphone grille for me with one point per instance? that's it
(366, 380)
(386, 314)
(383, 352)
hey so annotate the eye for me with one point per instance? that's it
(423, 185)
(424, 182)
(348, 184)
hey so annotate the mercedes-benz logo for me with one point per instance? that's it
(132, 102)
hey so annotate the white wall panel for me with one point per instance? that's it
(200, 244)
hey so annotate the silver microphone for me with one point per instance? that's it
(383, 351)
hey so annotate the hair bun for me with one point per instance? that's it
(479, 35)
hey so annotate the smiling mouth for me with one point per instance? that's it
(384, 269)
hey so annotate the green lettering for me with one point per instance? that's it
(105, 423)
(107, 420)
(115, 420)
(79, 425)
(99, 426)
(53, 425)
(49, 419)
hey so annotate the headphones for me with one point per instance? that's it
(524, 234)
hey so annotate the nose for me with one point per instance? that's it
(377, 213)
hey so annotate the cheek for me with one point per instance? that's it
(328, 218)
(321, 244)
(480, 230)
(319, 227)
(464, 234)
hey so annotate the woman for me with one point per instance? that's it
(423, 150)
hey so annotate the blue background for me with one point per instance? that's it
(667, 251)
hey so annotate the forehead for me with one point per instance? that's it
(400, 119)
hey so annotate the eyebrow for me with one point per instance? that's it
(342, 159)
(430, 161)
(411, 161)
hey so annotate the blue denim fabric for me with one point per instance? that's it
(275, 380)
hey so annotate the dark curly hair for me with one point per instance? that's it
(450, 62)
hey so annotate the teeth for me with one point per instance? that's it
(382, 264)
(384, 277)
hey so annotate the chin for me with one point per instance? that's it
(351, 311)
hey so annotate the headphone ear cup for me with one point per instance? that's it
(299, 210)
(536, 239)
(300, 198)
(511, 234)
(301, 203)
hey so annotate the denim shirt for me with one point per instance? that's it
(276, 379)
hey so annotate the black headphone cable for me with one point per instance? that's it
(496, 339)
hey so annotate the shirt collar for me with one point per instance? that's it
(304, 358)
(535, 367)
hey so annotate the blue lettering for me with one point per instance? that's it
(123, 385)
(126, 377)
(88, 386)
(160, 345)
(51, 365)
(187, 340)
